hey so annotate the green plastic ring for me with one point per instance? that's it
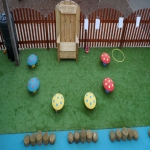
(115, 58)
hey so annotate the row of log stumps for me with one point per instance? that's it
(82, 136)
(125, 134)
(39, 139)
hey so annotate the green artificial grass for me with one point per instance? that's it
(128, 105)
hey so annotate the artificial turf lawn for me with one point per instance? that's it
(128, 105)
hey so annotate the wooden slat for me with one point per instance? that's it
(25, 24)
(83, 16)
(23, 27)
(80, 35)
(50, 31)
(34, 28)
(94, 30)
(113, 28)
(28, 25)
(89, 31)
(53, 28)
(46, 28)
(40, 27)
(38, 31)
(20, 32)
(98, 36)
(67, 27)
(146, 16)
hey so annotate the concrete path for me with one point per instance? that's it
(139, 4)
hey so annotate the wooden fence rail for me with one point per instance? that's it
(37, 31)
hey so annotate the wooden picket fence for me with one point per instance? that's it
(37, 31)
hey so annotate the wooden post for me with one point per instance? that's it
(45, 138)
(89, 136)
(124, 133)
(27, 140)
(46, 30)
(135, 135)
(85, 39)
(33, 139)
(118, 135)
(95, 137)
(39, 138)
(112, 136)
(83, 136)
(52, 138)
(70, 138)
(130, 134)
(76, 137)
(123, 33)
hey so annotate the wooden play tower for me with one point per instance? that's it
(67, 29)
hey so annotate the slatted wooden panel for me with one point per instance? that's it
(34, 30)
(108, 34)
(82, 31)
(30, 26)
(137, 36)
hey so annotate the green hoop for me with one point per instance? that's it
(115, 58)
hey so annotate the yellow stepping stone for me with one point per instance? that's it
(90, 100)
(58, 101)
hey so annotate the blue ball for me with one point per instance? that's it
(32, 60)
(33, 84)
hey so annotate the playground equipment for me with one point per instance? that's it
(108, 85)
(39, 139)
(32, 60)
(82, 136)
(124, 134)
(90, 100)
(67, 29)
(121, 53)
(105, 58)
(58, 101)
(33, 84)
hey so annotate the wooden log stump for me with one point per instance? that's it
(33, 139)
(39, 138)
(83, 136)
(118, 135)
(135, 135)
(112, 136)
(45, 138)
(124, 133)
(95, 137)
(27, 140)
(149, 133)
(52, 138)
(89, 136)
(70, 138)
(130, 134)
(76, 137)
